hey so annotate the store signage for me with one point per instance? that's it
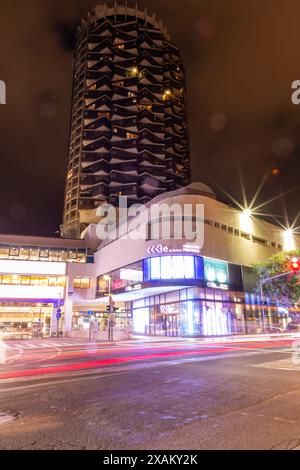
(161, 249)
(214, 285)
(135, 287)
(2, 92)
(216, 271)
(31, 292)
(32, 267)
(157, 249)
(168, 309)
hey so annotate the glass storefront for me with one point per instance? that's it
(203, 312)
(25, 318)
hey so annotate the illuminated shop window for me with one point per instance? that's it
(34, 254)
(53, 255)
(4, 253)
(82, 282)
(171, 267)
(44, 253)
(216, 271)
(81, 256)
(16, 279)
(24, 253)
(14, 252)
(63, 255)
(72, 255)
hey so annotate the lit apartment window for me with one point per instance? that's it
(81, 282)
(134, 71)
(167, 94)
(130, 135)
(120, 46)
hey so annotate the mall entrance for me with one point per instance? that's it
(25, 320)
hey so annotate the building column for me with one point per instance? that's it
(53, 326)
(68, 305)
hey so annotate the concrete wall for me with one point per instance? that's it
(218, 243)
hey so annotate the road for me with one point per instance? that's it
(67, 394)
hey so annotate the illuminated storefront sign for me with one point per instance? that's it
(32, 267)
(31, 292)
(215, 272)
(169, 309)
(173, 267)
(164, 249)
(131, 275)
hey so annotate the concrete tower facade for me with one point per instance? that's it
(129, 133)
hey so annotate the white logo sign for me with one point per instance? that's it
(2, 92)
(2, 352)
(296, 94)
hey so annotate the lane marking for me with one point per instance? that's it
(108, 371)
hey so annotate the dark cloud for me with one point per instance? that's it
(240, 58)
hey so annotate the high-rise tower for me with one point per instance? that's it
(129, 132)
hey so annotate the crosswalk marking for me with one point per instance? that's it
(41, 345)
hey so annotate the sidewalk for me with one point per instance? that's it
(137, 339)
(217, 339)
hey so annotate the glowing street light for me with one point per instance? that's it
(246, 220)
(247, 212)
(288, 240)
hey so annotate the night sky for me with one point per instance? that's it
(241, 57)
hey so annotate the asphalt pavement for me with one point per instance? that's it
(176, 395)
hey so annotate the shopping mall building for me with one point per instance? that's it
(171, 286)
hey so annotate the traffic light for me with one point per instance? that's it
(295, 265)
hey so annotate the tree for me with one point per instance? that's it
(286, 290)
